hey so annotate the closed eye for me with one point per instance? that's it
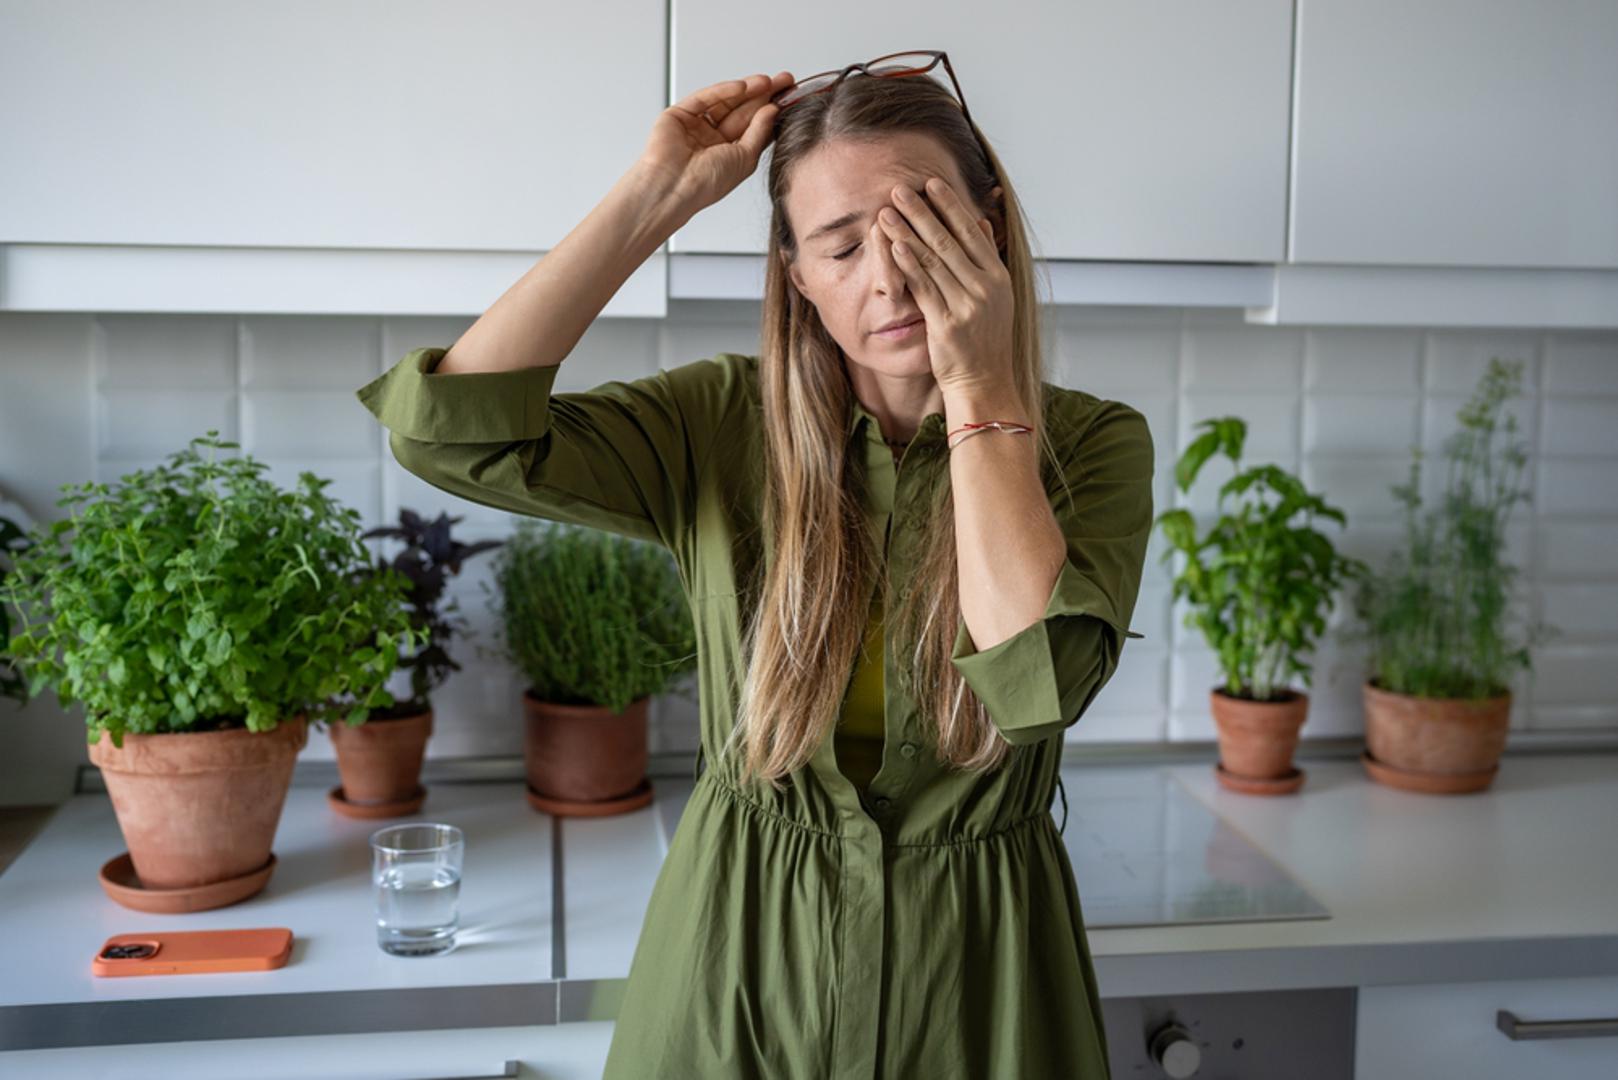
(846, 254)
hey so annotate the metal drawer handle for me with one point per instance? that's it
(504, 1074)
(1514, 1028)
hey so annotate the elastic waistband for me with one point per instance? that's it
(726, 789)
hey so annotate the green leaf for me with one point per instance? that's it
(1191, 462)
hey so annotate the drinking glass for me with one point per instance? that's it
(416, 869)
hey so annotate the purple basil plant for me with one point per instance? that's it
(430, 556)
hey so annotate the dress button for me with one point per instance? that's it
(908, 749)
(883, 803)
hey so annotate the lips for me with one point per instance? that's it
(901, 322)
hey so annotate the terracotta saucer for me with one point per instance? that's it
(1285, 784)
(638, 797)
(120, 882)
(1433, 783)
(375, 810)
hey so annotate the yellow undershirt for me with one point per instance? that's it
(859, 735)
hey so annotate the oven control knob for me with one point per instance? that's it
(1174, 1051)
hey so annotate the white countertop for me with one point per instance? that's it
(1518, 881)
(1531, 862)
(321, 889)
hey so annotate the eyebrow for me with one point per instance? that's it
(832, 226)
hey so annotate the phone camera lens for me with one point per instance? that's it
(126, 952)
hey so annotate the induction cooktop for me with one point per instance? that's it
(1146, 852)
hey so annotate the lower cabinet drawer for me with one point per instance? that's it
(572, 1051)
(1450, 1029)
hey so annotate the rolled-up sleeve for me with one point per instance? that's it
(1039, 681)
(623, 456)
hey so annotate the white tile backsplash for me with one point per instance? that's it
(1363, 361)
(91, 397)
(1457, 359)
(1243, 358)
(1580, 426)
(1581, 363)
(1336, 423)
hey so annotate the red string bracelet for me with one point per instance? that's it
(978, 429)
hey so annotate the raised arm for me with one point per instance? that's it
(624, 457)
(481, 419)
(689, 163)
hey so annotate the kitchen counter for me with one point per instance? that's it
(1515, 882)
(1518, 881)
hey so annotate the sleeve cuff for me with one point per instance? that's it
(499, 406)
(1030, 681)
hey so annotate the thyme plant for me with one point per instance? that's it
(1259, 586)
(590, 617)
(1437, 618)
(198, 595)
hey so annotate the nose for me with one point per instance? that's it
(886, 276)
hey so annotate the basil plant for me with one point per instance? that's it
(1262, 579)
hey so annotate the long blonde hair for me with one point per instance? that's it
(813, 602)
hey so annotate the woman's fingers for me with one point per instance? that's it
(700, 101)
(731, 104)
(735, 125)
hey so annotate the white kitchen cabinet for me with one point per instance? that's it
(1131, 131)
(481, 127)
(575, 1051)
(1421, 1031)
(1462, 133)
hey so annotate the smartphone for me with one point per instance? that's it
(187, 952)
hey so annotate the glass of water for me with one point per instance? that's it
(417, 873)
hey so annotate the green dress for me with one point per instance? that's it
(928, 926)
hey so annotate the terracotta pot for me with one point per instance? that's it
(1257, 738)
(1438, 736)
(380, 760)
(584, 753)
(199, 807)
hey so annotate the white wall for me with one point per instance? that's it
(91, 396)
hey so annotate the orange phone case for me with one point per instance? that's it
(187, 952)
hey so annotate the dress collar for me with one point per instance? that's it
(932, 425)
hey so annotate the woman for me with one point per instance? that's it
(867, 880)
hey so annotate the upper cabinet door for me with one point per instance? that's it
(1477, 133)
(1132, 131)
(486, 124)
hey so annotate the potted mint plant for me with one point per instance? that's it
(379, 754)
(596, 623)
(203, 615)
(1259, 585)
(1442, 652)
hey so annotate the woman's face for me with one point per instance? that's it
(848, 273)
